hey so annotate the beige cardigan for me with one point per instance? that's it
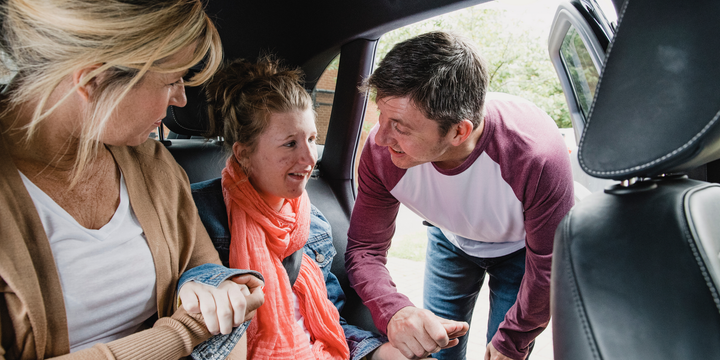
(32, 312)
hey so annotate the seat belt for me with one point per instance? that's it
(292, 265)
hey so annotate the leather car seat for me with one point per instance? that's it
(636, 268)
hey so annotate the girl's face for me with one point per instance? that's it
(284, 156)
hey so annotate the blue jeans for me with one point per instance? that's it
(453, 280)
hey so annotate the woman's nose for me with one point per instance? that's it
(177, 95)
(309, 155)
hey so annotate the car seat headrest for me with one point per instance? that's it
(657, 104)
(192, 119)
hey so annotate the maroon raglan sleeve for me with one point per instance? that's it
(372, 226)
(546, 187)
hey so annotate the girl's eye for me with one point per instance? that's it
(290, 144)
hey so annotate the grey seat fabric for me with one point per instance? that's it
(636, 270)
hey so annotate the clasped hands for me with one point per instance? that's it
(229, 305)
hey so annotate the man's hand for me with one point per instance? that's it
(388, 352)
(224, 307)
(416, 333)
(492, 354)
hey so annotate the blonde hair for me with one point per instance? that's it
(243, 95)
(46, 41)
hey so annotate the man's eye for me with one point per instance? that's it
(395, 126)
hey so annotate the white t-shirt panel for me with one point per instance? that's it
(107, 275)
(486, 222)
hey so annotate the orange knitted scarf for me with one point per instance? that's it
(260, 239)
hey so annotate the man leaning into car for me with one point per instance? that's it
(492, 179)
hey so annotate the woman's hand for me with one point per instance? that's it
(229, 305)
(388, 352)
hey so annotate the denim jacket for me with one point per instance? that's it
(211, 206)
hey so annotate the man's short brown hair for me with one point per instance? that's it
(442, 73)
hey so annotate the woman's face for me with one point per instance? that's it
(284, 156)
(145, 105)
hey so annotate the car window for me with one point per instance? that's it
(323, 95)
(580, 68)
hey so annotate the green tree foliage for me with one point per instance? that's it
(517, 56)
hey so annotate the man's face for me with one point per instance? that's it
(411, 138)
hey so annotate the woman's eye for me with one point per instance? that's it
(312, 140)
(290, 144)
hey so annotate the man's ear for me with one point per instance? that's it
(461, 132)
(85, 88)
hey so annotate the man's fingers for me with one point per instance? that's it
(436, 335)
(451, 343)
(454, 329)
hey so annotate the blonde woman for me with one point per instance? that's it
(98, 223)
(266, 118)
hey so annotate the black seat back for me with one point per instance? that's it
(636, 270)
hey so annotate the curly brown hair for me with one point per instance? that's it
(242, 95)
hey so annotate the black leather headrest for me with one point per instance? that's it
(192, 119)
(657, 104)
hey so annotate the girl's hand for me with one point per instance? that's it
(388, 352)
(229, 305)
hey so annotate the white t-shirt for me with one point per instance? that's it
(107, 275)
(299, 318)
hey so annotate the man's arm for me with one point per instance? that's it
(372, 226)
(413, 331)
(548, 203)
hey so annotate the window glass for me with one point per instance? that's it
(580, 68)
(323, 96)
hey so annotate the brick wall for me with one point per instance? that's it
(324, 94)
(323, 106)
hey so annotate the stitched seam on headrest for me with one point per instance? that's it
(175, 118)
(693, 246)
(579, 307)
(648, 164)
(598, 87)
(673, 153)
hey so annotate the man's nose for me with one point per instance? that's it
(383, 136)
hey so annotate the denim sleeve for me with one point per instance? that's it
(219, 346)
(361, 342)
(213, 275)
